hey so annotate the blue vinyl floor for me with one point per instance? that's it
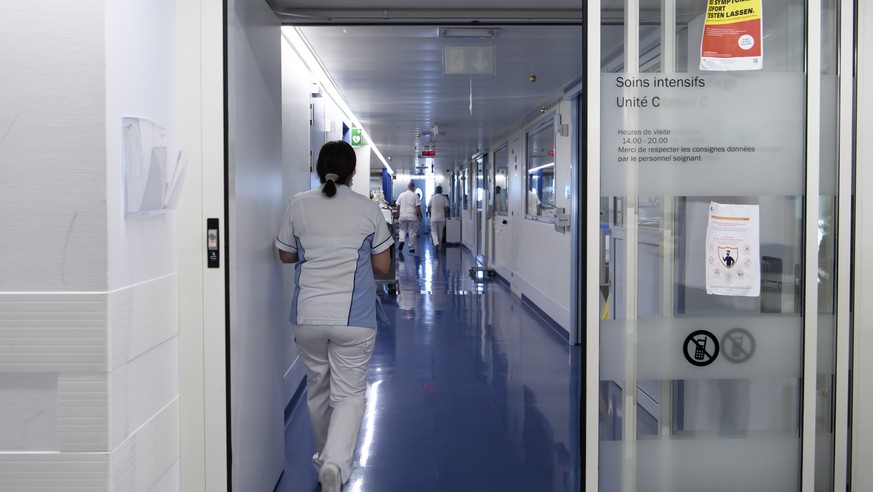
(469, 390)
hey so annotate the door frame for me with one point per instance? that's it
(202, 64)
(205, 377)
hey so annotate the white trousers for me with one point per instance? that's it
(408, 228)
(436, 231)
(336, 360)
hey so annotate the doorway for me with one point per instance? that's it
(478, 99)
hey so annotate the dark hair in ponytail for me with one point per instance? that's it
(336, 158)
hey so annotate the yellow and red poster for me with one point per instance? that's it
(732, 36)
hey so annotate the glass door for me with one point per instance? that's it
(713, 266)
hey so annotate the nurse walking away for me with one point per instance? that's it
(338, 239)
(409, 215)
(438, 209)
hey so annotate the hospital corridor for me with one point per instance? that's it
(468, 246)
(468, 389)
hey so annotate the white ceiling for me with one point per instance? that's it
(387, 60)
(392, 76)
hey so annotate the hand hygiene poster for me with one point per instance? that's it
(732, 36)
(733, 266)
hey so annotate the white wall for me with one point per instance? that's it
(52, 147)
(140, 82)
(531, 255)
(95, 383)
(296, 89)
(327, 126)
(333, 125)
(142, 268)
(361, 181)
(545, 273)
(256, 202)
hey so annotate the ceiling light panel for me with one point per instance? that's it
(468, 33)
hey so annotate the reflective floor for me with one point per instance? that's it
(469, 390)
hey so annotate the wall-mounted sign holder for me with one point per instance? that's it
(151, 184)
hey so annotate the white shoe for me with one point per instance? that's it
(330, 478)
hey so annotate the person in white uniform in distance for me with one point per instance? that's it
(438, 209)
(409, 217)
(337, 239)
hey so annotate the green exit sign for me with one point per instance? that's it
(356, 137)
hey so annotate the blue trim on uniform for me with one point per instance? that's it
(362, 311)
(301, 259)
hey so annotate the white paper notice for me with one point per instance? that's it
(733, 248)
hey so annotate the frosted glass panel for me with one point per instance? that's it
(748, 379)
(763, 464)
(710, 134)
(698, 391)
(659, 341)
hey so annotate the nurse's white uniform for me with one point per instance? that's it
(438, 204)
(334, 309)
(408, 205)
